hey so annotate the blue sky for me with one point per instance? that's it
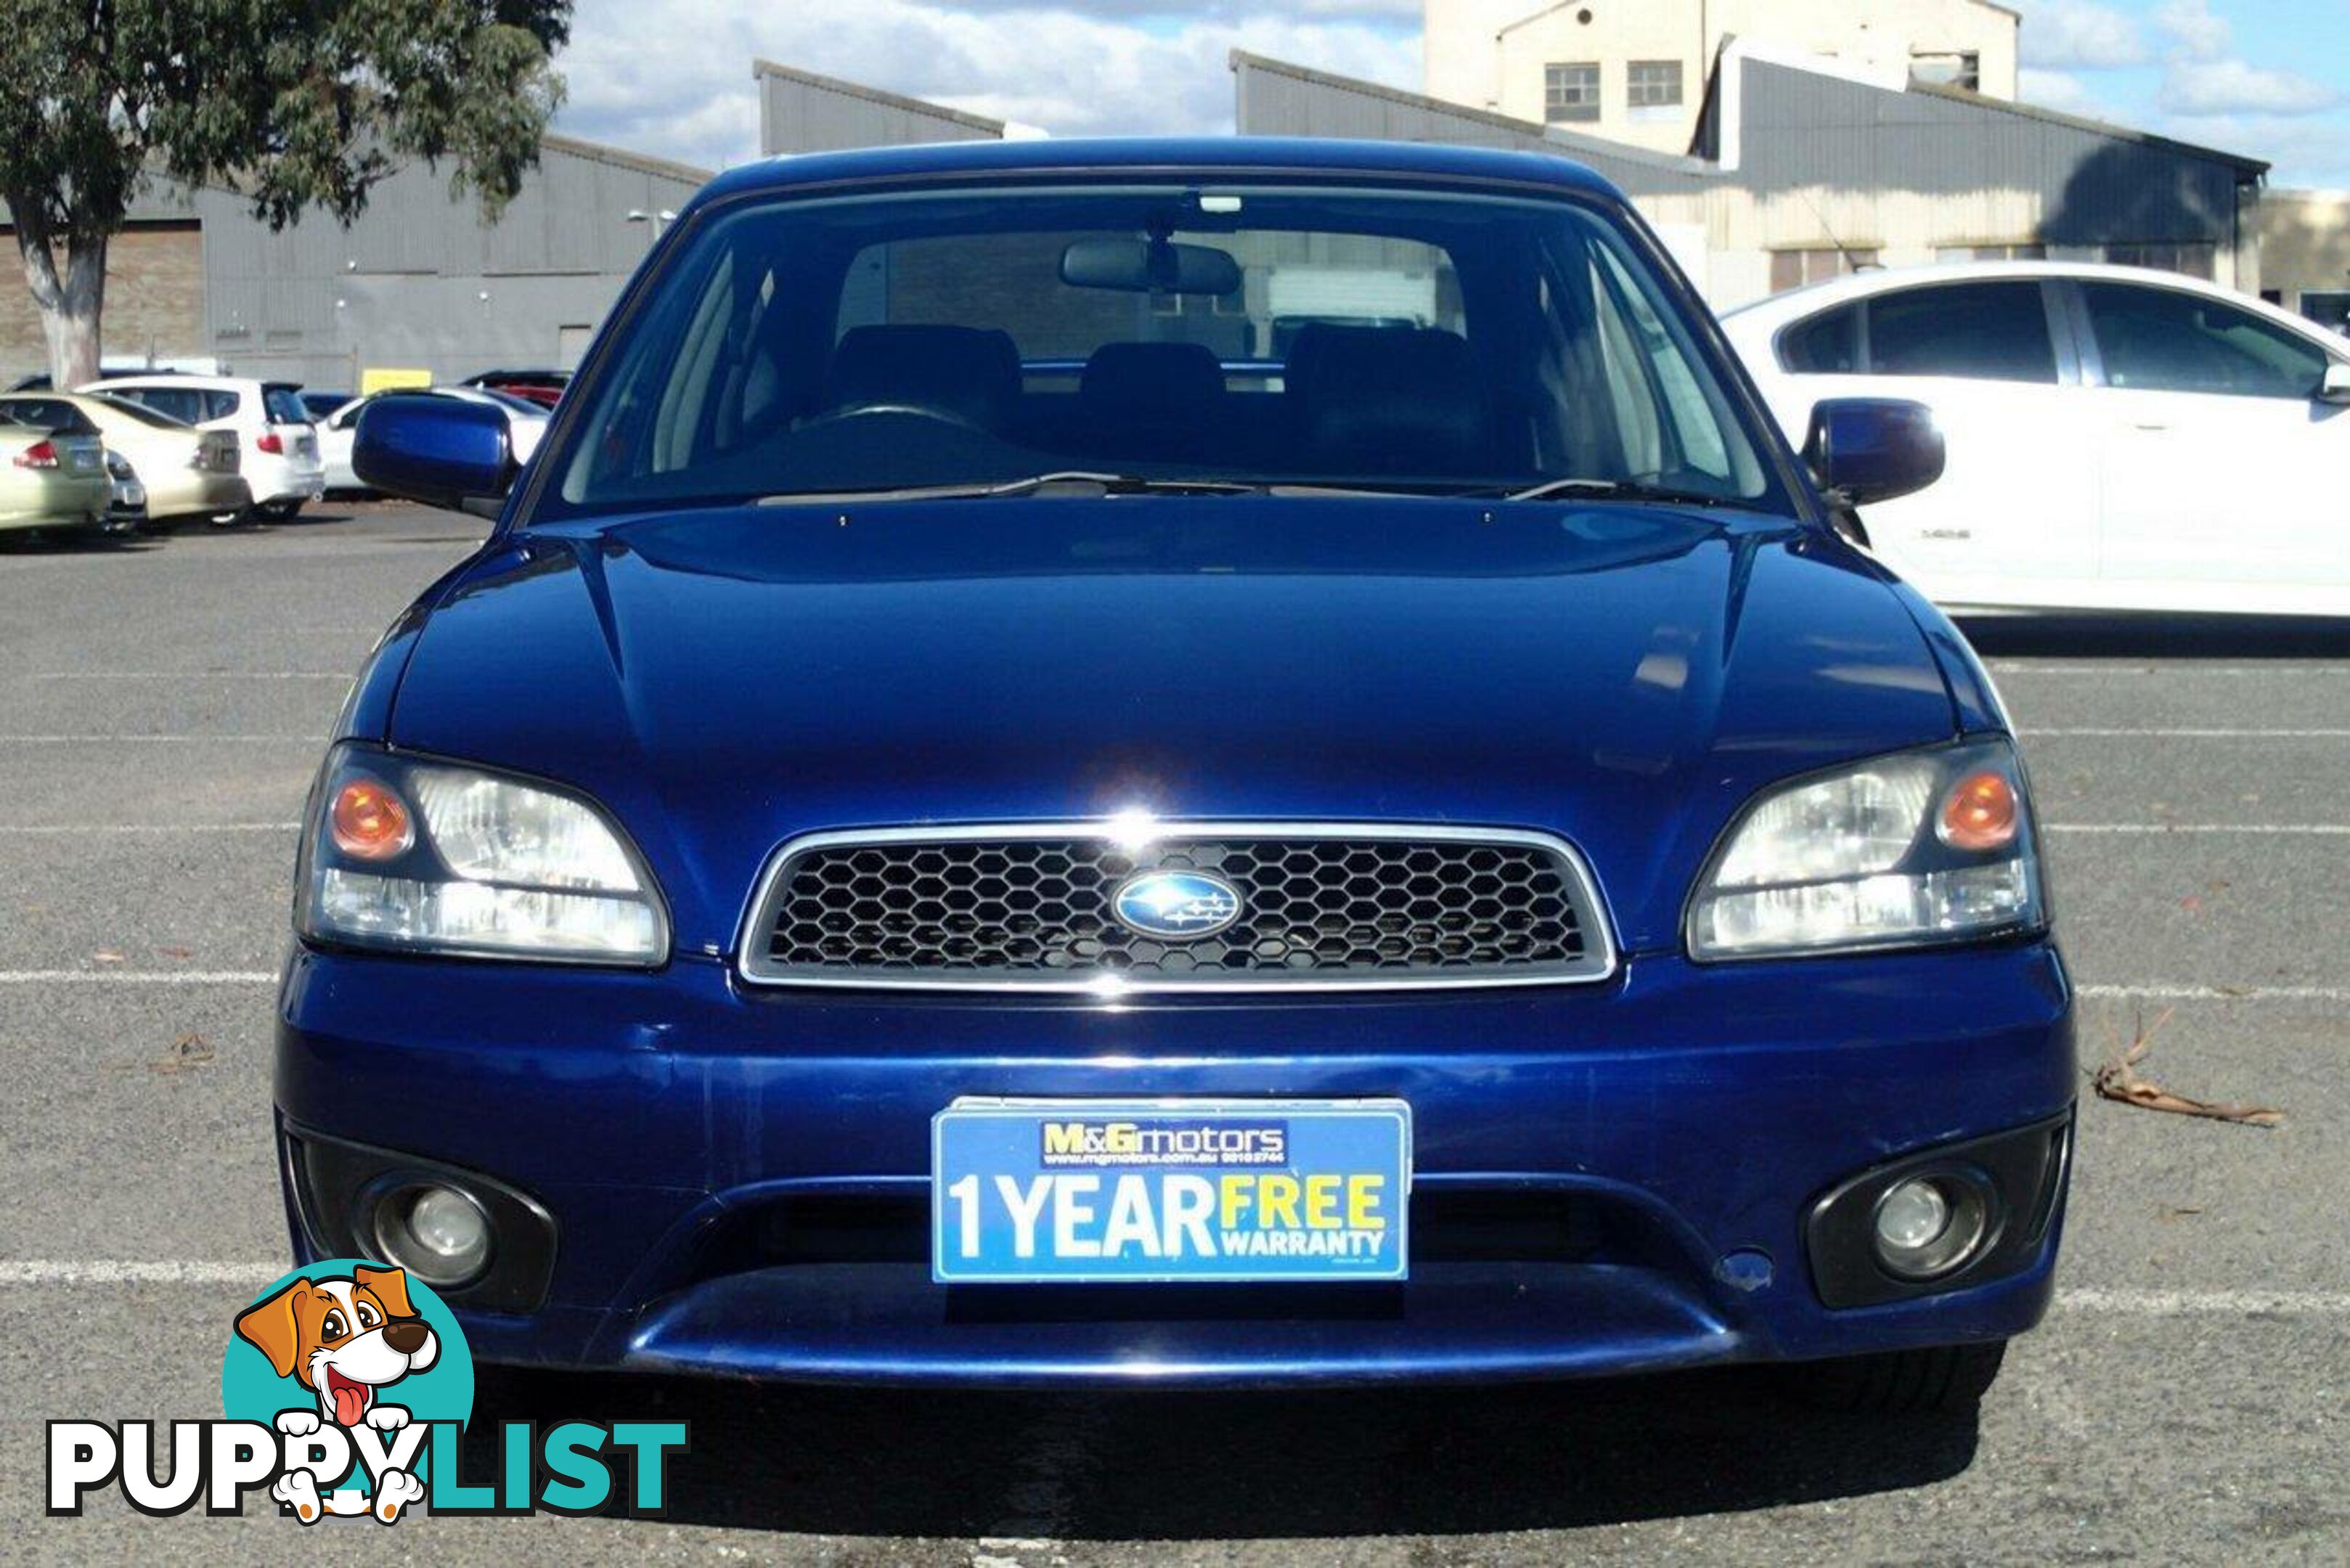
(2267, 78)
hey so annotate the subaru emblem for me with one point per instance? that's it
(1176, 906)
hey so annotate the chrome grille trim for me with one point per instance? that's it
(755, 966)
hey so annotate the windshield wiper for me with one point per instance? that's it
(1620, 490)
(1107, 483)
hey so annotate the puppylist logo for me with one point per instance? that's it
(346, 1390)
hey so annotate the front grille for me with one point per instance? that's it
(1034, 908)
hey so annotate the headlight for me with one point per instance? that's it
(429, 857)
(1922, 846)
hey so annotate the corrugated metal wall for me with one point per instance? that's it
(1803, 130)
(1816, 161)
(1279, 100)
(802, 112)
(419, 283)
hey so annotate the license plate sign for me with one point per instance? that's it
(1062, 1191)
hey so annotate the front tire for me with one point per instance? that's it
(1902, 1382)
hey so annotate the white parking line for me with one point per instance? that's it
(135, 1272)
(2071, 1299)
(2281, 829)
(67, 829)
(2166, 670)
(190, 675)
(138, 976)
(269, 977)
(152, 740)
(2214, 993)
(2196, 1303)
(2070, 732)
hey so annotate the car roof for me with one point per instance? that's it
(178, 378)
(1765, 316)
(1176, 157)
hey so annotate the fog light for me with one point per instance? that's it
(437, 1234)
(1912, 1215)
(1929, 1225)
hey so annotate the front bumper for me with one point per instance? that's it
(1618, 1178)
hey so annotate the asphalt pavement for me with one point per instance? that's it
(162, 706)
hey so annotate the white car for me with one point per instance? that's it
(525, 423)
(279, 456)
(2118, 439)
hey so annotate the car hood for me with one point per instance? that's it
(723, 680)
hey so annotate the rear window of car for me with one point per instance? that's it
(284, 405)
(1827, 344)
(1973, 331)
(53, 415)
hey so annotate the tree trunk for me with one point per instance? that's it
(70, 304)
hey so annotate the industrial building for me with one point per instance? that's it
(418, 285)
(800, 111)
(1856, 135)
(1635, 71)
(1803, 166)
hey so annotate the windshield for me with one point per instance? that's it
(1257, 333)
(283, 406)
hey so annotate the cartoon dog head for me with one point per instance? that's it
(342, 1338)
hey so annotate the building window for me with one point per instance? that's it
(1991, 253)
(1653, 84)
(1957, 68)
(2329, 308)
(1794, 268)
(1571, 92)
(2193, 258)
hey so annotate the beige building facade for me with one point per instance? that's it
(1637, 70)
(2305, 248)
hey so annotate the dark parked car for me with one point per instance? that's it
(1438, 863)
(543, 388)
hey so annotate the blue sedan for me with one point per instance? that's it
(1234, 762)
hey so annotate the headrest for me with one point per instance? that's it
(1389, 400)
(1152, 380)
(966, 371)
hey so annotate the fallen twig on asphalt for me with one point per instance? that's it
(2118, 1080)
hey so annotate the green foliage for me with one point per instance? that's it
(297, 103)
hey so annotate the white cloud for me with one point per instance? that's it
(2232, 87)
(2199, 35)
(2062, 91)
(2077, 35)
(631, 66)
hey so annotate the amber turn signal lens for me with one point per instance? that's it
(1980, 812)
(369, 822)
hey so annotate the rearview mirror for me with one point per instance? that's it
(1866, 450)
(1149, 266)
(2335, 387)
(443, 451)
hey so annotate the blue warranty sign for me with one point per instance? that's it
(1070, 1190)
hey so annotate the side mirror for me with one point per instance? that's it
(2335, 387)
(1863, 450)
(443, 451)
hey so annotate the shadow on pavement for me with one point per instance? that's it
(2158, 636)
(1199, 1467)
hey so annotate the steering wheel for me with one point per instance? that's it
(910, 410)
